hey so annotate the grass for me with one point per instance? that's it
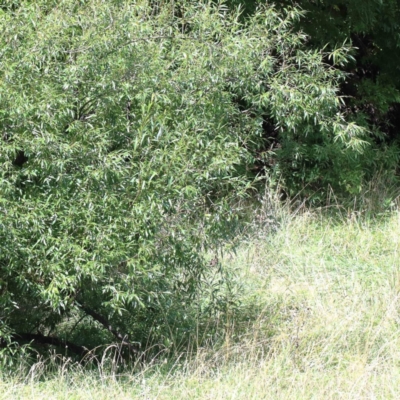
(316, 316)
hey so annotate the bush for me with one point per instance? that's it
(129, 136)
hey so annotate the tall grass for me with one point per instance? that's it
(315, 313)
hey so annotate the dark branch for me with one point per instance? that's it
(106, 324)
(38, 338)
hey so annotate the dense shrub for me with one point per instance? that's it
(129, 133)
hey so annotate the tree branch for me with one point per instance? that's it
(106, 324)
(49, 340)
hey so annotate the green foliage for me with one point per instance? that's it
(373, 27)
(370, 90)
(128, 136)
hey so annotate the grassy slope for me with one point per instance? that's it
(319, 318)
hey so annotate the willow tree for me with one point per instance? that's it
(129, 134)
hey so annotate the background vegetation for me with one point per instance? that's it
(370, 92)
